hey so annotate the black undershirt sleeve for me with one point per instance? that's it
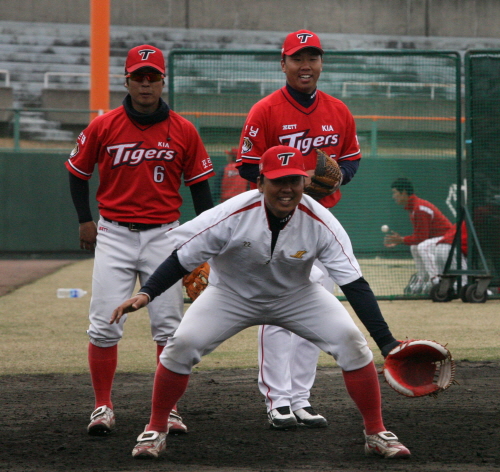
(249, 172)
(348, 169)
(202, 197)
(79, 190)
(363, 301)
(166, 275)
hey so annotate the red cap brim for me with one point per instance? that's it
(278, 173)
(145, 64)
(292, 51)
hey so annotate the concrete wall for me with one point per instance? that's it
(6, 101)
(75, 100)
(447, 18)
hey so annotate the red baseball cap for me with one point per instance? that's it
(280, 161)
(145, 56)
(294, 42)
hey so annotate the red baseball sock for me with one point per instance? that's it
(168, 388)
(159, 350)
(364, 388)
(102, 364)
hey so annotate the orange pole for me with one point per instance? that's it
(99, 56)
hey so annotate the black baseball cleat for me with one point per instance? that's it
(282, 418)
(309, 418)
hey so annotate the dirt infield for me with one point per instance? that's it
(44, 418)
(19, 272)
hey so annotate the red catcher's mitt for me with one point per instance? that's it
(327, 177)
(196, 281)
(418, 367)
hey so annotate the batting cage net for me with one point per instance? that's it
(407, 108)
(482, 77)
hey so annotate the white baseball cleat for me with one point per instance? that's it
(150, 445)
(309, 418)
(175, 424)
(102, 421)
(282, 418)
(385, 444)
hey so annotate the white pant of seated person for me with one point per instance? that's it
(430, 259)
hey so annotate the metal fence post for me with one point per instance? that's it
(373, 139)
(17, 129)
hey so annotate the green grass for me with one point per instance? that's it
(40, 333)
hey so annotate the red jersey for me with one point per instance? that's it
(140, 167)
(232, 184)
(278, 119)
(450, 235)
(427, 220)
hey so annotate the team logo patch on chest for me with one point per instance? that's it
(132, 154)
(298, 254)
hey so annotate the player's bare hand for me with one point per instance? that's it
(88, 235)
(132, 304)
(392, 239)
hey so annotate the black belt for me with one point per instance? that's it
(135, 226)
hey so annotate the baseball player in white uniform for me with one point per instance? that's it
(262, 245)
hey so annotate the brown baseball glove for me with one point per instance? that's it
(196, 281)
(327, 177)
(418, 367)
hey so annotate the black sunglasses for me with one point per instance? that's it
(140, 76)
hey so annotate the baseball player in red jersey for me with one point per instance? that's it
(262, 245)
(301, 116)
(429, 226)
(142, 149)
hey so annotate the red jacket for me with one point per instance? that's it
(232, 184)
(450, 235)
(427, 220)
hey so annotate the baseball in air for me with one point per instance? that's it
(384, 228)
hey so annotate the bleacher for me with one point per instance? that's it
(45, 60)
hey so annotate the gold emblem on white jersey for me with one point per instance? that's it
(298, 254)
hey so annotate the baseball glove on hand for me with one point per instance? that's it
(327, 177)
(418, 367)
(196, 281)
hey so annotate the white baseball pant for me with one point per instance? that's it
(311, 313)
(121, 257)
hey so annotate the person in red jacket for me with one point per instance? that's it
(429, 226)
(228, 180)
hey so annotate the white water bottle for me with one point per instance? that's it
(70, 293)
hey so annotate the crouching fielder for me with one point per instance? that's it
(262, 245)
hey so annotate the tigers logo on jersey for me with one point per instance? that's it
(132, 154)
(247, 145)
(75, 151)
